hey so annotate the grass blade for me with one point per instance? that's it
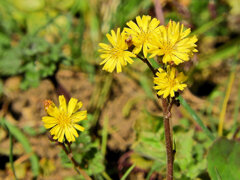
(19, 136)
(106, 176)
(227, 96)
(196, 117)
(11, 155)
(128, 172)
(225, 102)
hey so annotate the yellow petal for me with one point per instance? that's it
(78, 106)
(61, 136)
(133, 26)
(78, 127)
(74, 132)
(111, 40)
(55, 130)
(67, 134)
(104, 46)
(145, 50)
(79, 116)
(51, 108)
(72, 105)
(62, 103)
(48, 119)
(48, 125)
(136, 50)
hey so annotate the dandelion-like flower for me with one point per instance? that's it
(142, 32)
(116, 54)
(173, 44)
(166, 82)
(63, 121)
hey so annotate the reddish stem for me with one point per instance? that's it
(168, 139)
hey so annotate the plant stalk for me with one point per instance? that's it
(168, 138)
(148, 64)
(76, 165)
(167, 106)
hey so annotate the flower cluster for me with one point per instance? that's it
(146, 38)
(63, 121)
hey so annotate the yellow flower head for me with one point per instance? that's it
(116, 54)
(142, 32)
(166, 82)
(63, 121)
(173, 44)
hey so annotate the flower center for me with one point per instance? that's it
(168, 48)
(172, 82)
(143, 37)
(117, 52)
(63, 119)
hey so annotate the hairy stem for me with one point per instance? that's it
(168, 139)
(76, 165)
(167, 106)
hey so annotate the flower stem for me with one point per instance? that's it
(168, 139)
(167, 106)
(76, 165)
(148, 63)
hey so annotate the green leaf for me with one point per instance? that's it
(151, 147)
(31, 79)
(184, 149)
(29, 5)
(10, 62)
(4, 39)
(62, 4)
(223, 160)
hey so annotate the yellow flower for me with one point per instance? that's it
(142, 32)
(173, 44)
(63, 121)
(166, 82)
(116, 54)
